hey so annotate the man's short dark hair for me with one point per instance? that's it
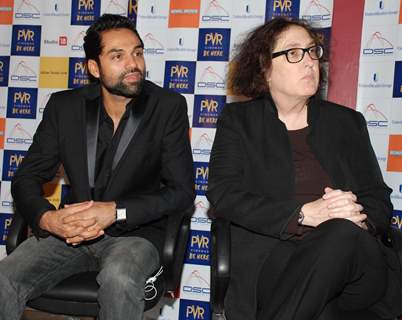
(93, 39)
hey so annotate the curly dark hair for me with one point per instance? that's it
(93, 38)
(253, 57)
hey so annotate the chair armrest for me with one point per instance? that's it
(177, 233)
(394, 240)
(220, 263)
(17, 232)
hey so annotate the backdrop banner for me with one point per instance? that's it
(188, 44)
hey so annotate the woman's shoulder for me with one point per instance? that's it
(337, 113)
(244, 107)
(335, 108)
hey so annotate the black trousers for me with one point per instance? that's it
(337, 262)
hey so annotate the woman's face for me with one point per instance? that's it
(293, 80)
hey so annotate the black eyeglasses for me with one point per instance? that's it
(295, 55)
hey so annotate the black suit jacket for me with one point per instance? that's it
(153, 174)
(251, 181)
(251, 175)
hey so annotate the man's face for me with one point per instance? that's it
(121, 67)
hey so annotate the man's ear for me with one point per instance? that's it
(93, 68)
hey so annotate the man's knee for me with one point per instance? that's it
(119, 277)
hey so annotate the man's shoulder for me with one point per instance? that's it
(91, 90)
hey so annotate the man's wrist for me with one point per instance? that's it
(44, 220)
(120, 213)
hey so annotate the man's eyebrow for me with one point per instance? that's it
(114, 50)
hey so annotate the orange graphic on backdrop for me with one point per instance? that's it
(6, 11)
(184, 13)
(400, 14)
(395, 153)
(2, 131)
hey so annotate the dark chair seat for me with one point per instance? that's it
(77, 295)
(220, 275)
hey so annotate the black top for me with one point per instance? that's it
(310, 177)
(106, 148)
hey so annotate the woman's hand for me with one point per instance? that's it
(334, 204)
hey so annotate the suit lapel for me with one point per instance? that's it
(92, 128)
(128, 134)
(134, 126)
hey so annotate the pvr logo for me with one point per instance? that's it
(377, 45)
(15, 160)
(80, 68)
(202, 173)
(179, 71)
(132, 7)
(396, 221)
(202, 242)
(22, 97)
(209, 105)
(7, 223)
(213, 38)
(25, 35)
(195, 312)
(87, 5)
(283, 5)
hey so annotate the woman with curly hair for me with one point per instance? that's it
(298, 179)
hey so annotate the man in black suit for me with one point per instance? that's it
(124, 145)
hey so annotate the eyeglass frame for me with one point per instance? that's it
(285, 52)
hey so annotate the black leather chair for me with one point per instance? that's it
(220, 274)
(77, 295)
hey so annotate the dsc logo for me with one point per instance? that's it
(377, 45)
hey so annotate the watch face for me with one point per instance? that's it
(121, 215)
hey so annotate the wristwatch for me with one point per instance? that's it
(121, 215)
(300, 217)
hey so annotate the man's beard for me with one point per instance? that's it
(121, 89)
